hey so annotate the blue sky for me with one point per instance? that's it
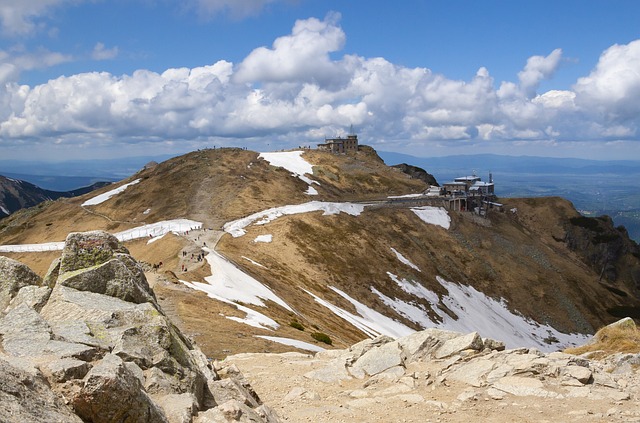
(86, 79)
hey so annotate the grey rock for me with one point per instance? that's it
(230, 411)
(357, 350)
(230, 389)
(581, 374)
(111, 383)
(377, 360)
(65, 369)
(334, 371)
(51, 277)
(13, 276)
(83, 250)
(32, 296)
(25, 397)
(493, 345)
(157, 382)
(419, 345)
(179, 408)
(116, 278)
(523, 386)
(453, 346)
(474, 372)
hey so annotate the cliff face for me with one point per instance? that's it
(610, 253)
(417, 173)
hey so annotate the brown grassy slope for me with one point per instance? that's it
(211, 186)
(506, 259)
(521, 257)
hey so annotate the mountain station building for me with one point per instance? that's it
(340, 145)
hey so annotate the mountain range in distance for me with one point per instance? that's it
(594, 187)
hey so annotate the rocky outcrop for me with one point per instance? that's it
(417, 173)
(96, 347)
(13, 276)
(445, 376)
(608, 250)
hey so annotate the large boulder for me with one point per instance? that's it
(87, 249)
(111, 383)
(25, 397)
(13, 276)
(97, 262)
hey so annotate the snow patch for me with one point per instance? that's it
(236, 227)
(147, 211)
(404, 260)
(369, 321)
(253, 262)
(292, 342)
(252, 318)
(229, 282)
(107, 195)
(411, 311)
(294, 163)
(477, 312)
(406, 196)
(264, 238)
(155, 230)
(5, 211)
(433, 215)
(290, 160)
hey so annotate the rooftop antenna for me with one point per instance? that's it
(351, 130)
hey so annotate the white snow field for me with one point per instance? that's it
(236, 227)
(107, 195)
(294, 163)
(231, 285)
(476, 312)
(368, 321)
(433, 215)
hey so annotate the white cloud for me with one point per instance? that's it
(302, 56)
(612, 89)
(537, 69)
(296, 92)
(100, 52)
(19, 17)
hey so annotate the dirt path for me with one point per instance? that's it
(418, 397)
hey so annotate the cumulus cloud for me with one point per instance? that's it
(294, 92)
(537, 69)
(302, 56)
(612, 89)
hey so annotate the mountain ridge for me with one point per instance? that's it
(520, 258)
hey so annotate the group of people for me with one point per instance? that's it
(196, 257)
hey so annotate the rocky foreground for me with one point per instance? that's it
(441, 376)
(90, 343)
